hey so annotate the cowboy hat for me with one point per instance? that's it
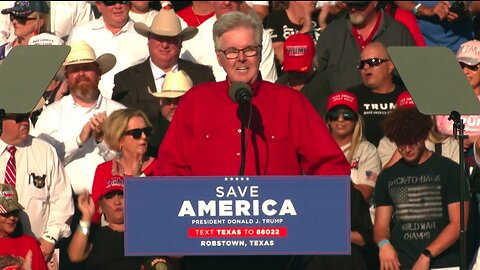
(166, 23)
(176, 84)
(82, 53)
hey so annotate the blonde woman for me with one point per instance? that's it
(126, 131)
(346, 126)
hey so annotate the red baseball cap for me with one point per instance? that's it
(343, 98)
(298, 53)
(115, 183)
(404, 100)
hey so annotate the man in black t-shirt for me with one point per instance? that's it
(377, 94)
(422, 194)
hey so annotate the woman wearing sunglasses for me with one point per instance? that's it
(28, 18)
(346, 126)
(126, 131)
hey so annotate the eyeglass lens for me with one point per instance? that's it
(372, 62)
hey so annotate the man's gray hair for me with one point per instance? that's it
(233, 20)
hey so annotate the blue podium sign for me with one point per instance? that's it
(257, 215)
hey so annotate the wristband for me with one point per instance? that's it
(415, 9)
(383, 242)
(427, 253)
(84, 227)
(49, 239)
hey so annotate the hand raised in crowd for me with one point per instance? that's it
(93, 127)
(307, 18)
(322, 17)
(388, 258)
(47, 248)
(27, 264)
(86, 206)
(117, 168)
(442, 10)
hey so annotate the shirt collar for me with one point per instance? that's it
(254, 86)
(100, 24)
(69, 100)
(158, 72)
(3, 146)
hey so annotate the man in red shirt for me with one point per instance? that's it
(284, 134)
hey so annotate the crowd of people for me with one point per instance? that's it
(144, 91)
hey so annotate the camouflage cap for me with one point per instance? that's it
(8, 199)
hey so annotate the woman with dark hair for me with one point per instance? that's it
(12, 240)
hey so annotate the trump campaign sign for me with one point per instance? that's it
(237, 215)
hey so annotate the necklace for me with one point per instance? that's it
(196, 17)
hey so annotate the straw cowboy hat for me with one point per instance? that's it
(175, 85)
(82, 53)
(166, 23)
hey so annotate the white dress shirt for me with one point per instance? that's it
(65, 15)
(201, 49)
(61, 123)
(128, 46)
(48, 207)
(159, 75)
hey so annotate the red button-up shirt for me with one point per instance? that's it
(286, 136)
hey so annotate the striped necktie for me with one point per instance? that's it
(11, 170)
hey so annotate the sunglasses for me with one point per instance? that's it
(347, 115)
(21, 19)
(136, 133)
(372, 62)
(113, 3)
(113, 193)
(18, 117)
(357, 5)
(470, 67)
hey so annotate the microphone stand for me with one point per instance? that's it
(458, 132)
(241, 112)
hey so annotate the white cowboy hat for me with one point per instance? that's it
(176, 84)
(166, 23)
(82, 53)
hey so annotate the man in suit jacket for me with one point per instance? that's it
(134, 84)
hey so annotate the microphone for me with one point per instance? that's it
(240, 92)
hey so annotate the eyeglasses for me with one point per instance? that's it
(136, 133)
(470, 67)
(113, 3)
(372, 62)
(402, 148)
(18, 117)
(232, 53)
(346, 115)
(21, 19)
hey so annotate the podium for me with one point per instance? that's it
(237, 215)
